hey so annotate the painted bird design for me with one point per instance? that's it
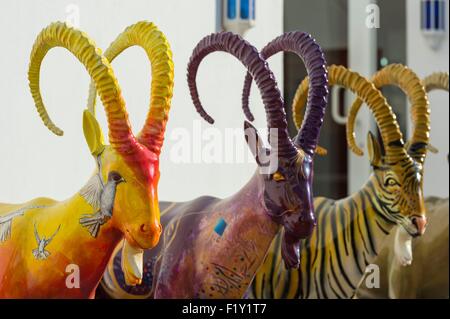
(101, 197)
(40, 253)
(6, 221)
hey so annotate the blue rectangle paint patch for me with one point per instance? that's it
(220, 227)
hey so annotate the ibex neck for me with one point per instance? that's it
(239, 243)
(250, 195)
(373, 217)
(350, 234)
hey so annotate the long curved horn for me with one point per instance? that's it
(79, 44)
(258, 68)
(409, 82)
(309, 51)
(384, 117)
(436, 81)
(146, 35)
(297, 114)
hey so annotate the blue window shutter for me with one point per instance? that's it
(436, 15)
(245, 9)
(231, 9)
(428, 14)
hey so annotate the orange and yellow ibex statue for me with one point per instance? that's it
(42, 239)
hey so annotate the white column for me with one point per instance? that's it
(362, 57)
(423, 60)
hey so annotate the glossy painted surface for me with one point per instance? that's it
(211, 247)
(352, 231)
(192, 260)
(24, 276)
(288, 201)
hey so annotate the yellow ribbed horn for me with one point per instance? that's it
(409, 82)
(79, 44)
(146, 35)
(436, 81)
(385, 118)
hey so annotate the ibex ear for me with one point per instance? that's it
(93, 133)
(374, 150)
(254, 141)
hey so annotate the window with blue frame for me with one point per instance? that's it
(248, 9)
(231, 9)
(432, 15)
(245, 9)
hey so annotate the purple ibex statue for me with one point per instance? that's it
(211, 247)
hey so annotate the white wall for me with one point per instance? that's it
(362, 46)
(423, 60)
(37, 163)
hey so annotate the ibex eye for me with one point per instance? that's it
(116, 176)
(390, 182)
(278, 177)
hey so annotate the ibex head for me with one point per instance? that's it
(136, 209)
(286, 188)
(397, 167)
(133, 159)
(400, 183)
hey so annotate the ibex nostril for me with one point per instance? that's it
(145, 228)
(159, 228)
(420, 222)
(149, 228)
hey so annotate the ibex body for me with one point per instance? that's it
(41, 238)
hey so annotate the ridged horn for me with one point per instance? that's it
(258, 68)
(83, 48)
(384, 117)
(297, 114)
(309, 51)
(436, 81)
(409, 82)
(146, 35)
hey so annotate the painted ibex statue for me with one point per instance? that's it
(398, 281)
(437, 80)
(40, 238)
(350, 232)
(211, 248)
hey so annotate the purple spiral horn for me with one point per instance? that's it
(312, 56)
(259, 70)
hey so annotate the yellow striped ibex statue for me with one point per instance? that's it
(41, 238)
(397, 281)
(350, 232)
